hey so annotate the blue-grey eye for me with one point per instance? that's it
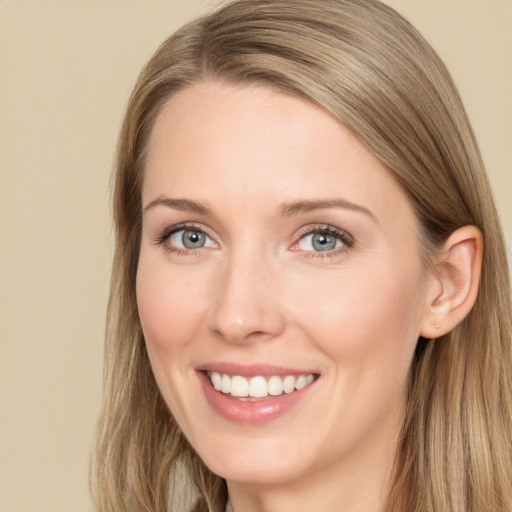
(320, 242)
(190, 239)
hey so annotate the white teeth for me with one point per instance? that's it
(300, 382)
(275, 386)
(226, 384)
(239, 386)
(216, 380)
(258, 387)
(289, 384)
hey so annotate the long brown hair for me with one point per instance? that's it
(369, 68)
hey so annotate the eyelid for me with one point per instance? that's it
(344, 236)
(168, 231)
(323, 228)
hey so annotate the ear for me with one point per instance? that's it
(452, 290)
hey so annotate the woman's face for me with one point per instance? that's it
(277, 253)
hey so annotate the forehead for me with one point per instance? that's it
(236, 144)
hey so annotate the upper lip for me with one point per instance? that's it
(251, 370)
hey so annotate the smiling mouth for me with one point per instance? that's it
(258, 387)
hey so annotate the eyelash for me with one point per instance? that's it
(163, 237)
(346, 239)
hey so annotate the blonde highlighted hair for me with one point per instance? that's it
(369, 68)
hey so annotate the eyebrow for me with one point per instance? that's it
(185, 205)
(305, 206)
(286, 210)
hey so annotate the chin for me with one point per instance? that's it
(254, 461)
(265, 471)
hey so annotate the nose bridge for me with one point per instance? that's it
(245, 304)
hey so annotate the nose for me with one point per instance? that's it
(246, 302)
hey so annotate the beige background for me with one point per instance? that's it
(66, 71)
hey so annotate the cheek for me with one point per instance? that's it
(168, 307)
(368, 327)
(169, 312)
(366, 321)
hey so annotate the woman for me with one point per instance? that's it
(310, 303)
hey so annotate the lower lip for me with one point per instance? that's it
(248, 412)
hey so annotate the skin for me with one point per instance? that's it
(259, 293)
